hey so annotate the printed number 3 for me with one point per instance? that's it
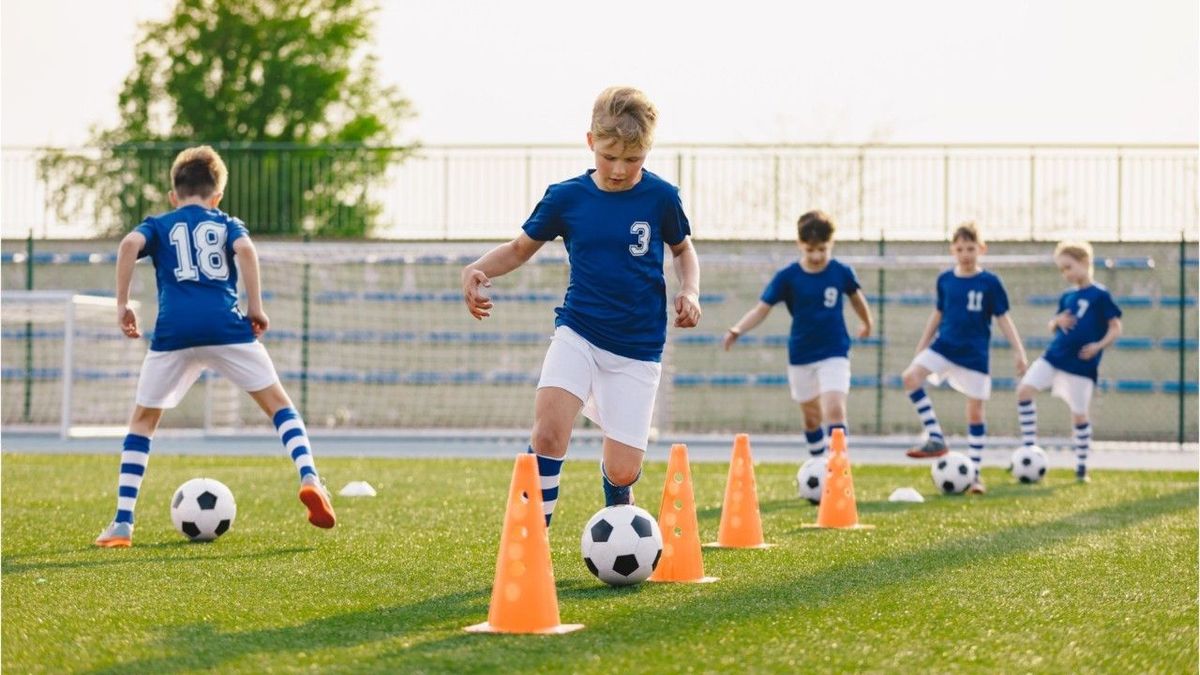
(642, 230)
(974, 301)
(209, 238)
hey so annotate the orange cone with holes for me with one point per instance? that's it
(741, 524)
(838, 507)
(523, 596)
(681, 560)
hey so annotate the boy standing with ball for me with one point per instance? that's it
(200, 326)
(605, 356)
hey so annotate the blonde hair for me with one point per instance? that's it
(967, 231)
(1079, 250)
(198, 172)
(624, 114)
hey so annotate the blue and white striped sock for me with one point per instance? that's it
(839, 425)
(1083, 442)
(1027, 417)
(976, 437)
(294, 437)
(616, 494)
(134, 457)
(549, 472)
(924, 406)
(816, 441)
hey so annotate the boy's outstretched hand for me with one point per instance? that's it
(687, 310)
(127, 320)
(473, 283)
(1065, 320)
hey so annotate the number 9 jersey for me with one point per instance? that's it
(192, 250)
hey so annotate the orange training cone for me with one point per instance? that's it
(523, 596)
(681, 559)
(838, 508)
(741, 526)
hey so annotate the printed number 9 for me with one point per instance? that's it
(831, 296)
(642, 230)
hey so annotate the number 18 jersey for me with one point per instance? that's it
(192, 251)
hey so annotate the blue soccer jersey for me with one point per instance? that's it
(967, 305)
(616, 298)
(192, 250)
(1093, 307)
(815, 301)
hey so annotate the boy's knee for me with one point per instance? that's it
(622, 474)
(1025, 392)
(812, 414)
(912, 379)
(549, 442)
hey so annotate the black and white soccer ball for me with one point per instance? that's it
(953, 473)
(203, 509)
(1029, 464)
(810, 479)
(621, 545)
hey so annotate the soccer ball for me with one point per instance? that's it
(621, 545)
(203, 509)
(810, 479)
(953, 473)
(1029, 464)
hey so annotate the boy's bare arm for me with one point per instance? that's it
(687, 270)
(1090, 350)
(858, 301)
(127, 255)
(1014, 338)
(746, 324)
(247, 256)
(497, 262)
(931, 327)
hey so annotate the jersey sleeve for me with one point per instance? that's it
(776, 291)
(941, 295)
(1110, 308)
(150, 232)
(546, 223)
(675, 225)
(999, 299)
(850, 285)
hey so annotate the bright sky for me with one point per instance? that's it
(528, 70)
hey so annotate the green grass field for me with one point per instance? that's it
(1052, 578)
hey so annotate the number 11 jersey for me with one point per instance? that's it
(192, 251)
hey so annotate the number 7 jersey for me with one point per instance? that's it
(192, 251)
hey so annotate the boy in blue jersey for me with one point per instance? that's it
(955, 346)
(605, 356)
(200, 325)
(819, 345)
(1088, 320)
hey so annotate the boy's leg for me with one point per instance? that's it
(622, 467)
(292, 433)
(135, 455)
(1083, 442)
(814, 431)
(976, 438)
(1027, 416)
(935, 439)
(555, 410)
(833, 406)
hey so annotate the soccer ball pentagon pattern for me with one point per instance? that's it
(952, 473)
(1029, 464)
(811, 477)
(621, 545)
(203, 509)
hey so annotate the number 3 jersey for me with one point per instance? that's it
(1093, 307)
(616, 297)
(192, 250)
(815, 301)
(967, 305)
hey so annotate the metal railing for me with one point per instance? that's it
(752, 192)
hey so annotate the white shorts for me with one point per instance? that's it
(618, 392)
(813, 379)
(1076, 390)
(970, 383)
(167, 376)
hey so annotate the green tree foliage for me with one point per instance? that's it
(284, 89)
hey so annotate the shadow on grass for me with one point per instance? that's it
(131, 556)
(769, 506)
(200, 646)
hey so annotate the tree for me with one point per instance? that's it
(283, 88)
